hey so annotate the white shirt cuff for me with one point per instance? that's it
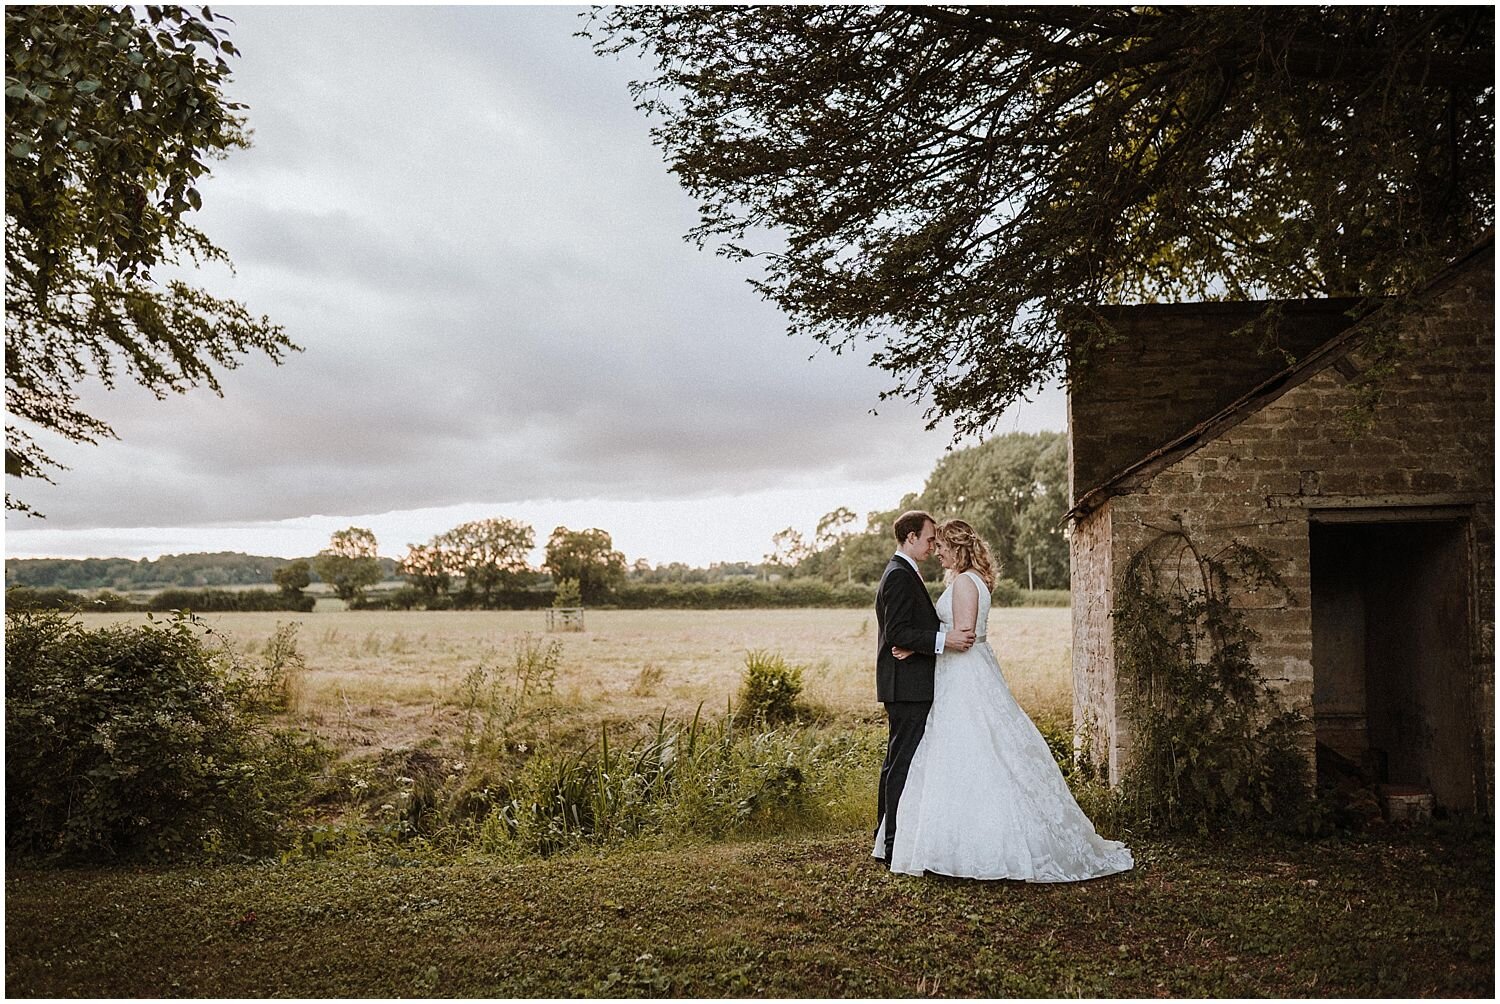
(938, 650)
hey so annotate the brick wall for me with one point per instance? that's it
(1096, 727)
(1173, 365)
(1431, 443)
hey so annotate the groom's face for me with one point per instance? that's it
(925, 541)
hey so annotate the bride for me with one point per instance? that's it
(984, 798)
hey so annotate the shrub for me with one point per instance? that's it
(769, 688)
(230, 600)
(125, 742)
(19, 598)
(1006, 594)
(568, 594)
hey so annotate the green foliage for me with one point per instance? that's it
(19, 598)
(223, 568)
(588, 558)
(350, 563)
(680, 781)
(225, 600)
(127, 742)
(568, 594)
(739, 594)
(769, 689)
(1013, 489)
(490, 554)
(1211, 745)
(198, 600)
(426, 568)
(271, 683)
(111, 117)
(293, 577)
(498, 704)
(951, 181)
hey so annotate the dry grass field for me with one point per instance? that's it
(382, 679)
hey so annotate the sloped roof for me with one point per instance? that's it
(1332, 352)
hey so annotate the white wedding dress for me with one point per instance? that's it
(984, 799)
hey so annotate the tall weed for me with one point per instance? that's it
(690, 780)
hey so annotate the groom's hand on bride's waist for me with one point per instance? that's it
(959, 641)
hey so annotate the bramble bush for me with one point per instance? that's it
(127, 742)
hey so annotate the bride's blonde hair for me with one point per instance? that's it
(973, 552)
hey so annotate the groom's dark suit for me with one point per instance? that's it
(906, 618)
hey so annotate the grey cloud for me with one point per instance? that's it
(457, 213)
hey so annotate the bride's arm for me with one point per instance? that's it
(965, 604)
(965, 617)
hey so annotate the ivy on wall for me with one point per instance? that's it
(1211, 743)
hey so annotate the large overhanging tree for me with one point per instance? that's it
(111, 117)
(949, 181)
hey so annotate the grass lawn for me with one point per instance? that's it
(1406, 915)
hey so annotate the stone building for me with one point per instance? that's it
(1382, 531)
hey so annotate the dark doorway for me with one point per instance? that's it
(1392, 652)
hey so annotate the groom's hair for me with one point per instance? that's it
(911, 522)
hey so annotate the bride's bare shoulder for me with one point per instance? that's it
(965, 586)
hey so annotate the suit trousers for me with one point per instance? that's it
(907, 721)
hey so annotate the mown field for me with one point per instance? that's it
(394, 678)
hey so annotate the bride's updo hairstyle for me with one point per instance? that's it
(973, 552)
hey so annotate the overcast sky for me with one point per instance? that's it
(460, 217)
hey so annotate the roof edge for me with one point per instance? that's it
(1269, 390)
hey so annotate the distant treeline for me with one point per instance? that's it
(222, 568)
(197, 600)
(737, 594)
(731, 594)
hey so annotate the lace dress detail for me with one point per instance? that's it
(984, 798)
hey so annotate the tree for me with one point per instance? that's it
(350, 563)
(1013, 489)
(491, 554)
(788, 549)
(962, 183)
(588, 557)
(293, 577)
(426, 568)
(831, 538)
(110, 120)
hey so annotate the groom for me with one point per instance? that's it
(906, 619)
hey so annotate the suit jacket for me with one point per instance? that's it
(906, 618)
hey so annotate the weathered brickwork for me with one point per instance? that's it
(1095, 722)
(1172, 366)
(1430, 444)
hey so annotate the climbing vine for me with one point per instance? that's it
(1211, 743)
